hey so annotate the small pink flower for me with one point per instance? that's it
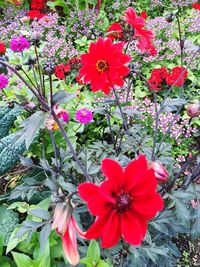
(62, 114)
(160, 171)
(3, 81)
(84, 115)
(67, 228)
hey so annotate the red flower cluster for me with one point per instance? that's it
(196, 6)
(161, 76)
(32, 14)
(36, 9)
(74, 63)
(2, 48)
(178, 73)
(123, 203)
(38, 4)
(116, 31)
(104, 65)
(143, 14)
(61, 71)
(158, 77)
(138, 24)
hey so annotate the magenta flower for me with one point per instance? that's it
(84, 115)
(3, 81)
(19, 44)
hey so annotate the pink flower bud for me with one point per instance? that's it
(160, 171)
(193, 110)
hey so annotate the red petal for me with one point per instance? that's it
(70, 245)
(88, 191)
(95, 230)
(134, 172)
(113, 171)
(98, 206)
(148, 207)
(108, 189)
(147, 187)
(133, 228)
(111, 232)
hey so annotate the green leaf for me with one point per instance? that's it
(13, 241)
(1, 244)
(44, 235)
(63, 97)
(22, 260)
(102, 263)
(93, 251)
(195, 231)
(31, 126)
(40, 213)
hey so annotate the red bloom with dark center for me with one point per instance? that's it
(2, 48)
(138, 24)
(143, 15)
(104, 65)
(158, 77)
(35, 14)
(61, 71)
(123, 203)
(196, 6)
(116, 31)
(177, 73)
(37, 4)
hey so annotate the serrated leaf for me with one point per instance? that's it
(31, 126)
(63, 97)
(44, 235)
(40, 213)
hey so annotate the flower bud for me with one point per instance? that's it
(49, 68)
(35, 38)
(170, 17)
(193, 110)
(160, 171)
(25, 19)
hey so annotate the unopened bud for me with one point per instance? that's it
(193, 110)
(170, 17)
(161, 173)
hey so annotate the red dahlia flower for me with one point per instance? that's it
(178, 73)
(138, 24)
(123, 203)
(196, 6)
(116, 31)
(104, 65)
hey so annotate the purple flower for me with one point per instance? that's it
(84, 115)
(3, 81)
(19, 44)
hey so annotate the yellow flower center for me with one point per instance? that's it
(102, 65)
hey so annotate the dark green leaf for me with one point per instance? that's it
(40, 213)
